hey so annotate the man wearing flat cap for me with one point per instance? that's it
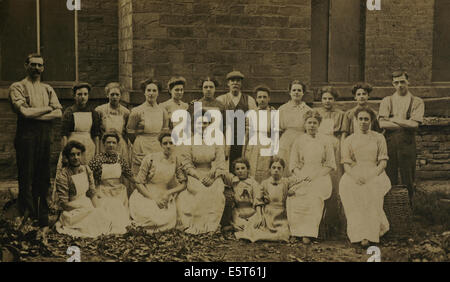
(234, 100)
(36, 105)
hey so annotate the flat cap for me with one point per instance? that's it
(235, 74)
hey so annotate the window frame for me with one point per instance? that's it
(58, 83)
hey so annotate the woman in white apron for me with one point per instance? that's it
(200, 206)
(312, 160)
(365, 183)
(361, 91)
(330, 126)
(114, 117)
(259, 165)
(74, 182)
(152, 204)
(81, 123)
(145, 124)
(110, 169)
(291, 121)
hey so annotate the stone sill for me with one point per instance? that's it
(435, 121)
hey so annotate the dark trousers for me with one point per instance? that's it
(402, 158)
(32, 144)
(235, 153)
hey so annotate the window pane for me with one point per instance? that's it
(17, 37)
(319, 40)
(346, 41)
(57, 40)
(441, 50)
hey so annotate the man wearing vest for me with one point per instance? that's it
(400, 115)
(36, 105)
(234, 100)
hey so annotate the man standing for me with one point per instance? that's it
(36, 105)
(400, 116)
(234, 100)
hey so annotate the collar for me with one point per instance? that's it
(293, 105)
(275, 182)
(407, 96)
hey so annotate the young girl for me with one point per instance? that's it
(248, 203)
(274, 225)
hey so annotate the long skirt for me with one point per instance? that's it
(113, 201)
(275, 229)
(146, 213)
(363, 207)
(305, 208)
(85, 221)
(200, 208)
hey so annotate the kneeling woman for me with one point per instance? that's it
(74, 186)
(152, 204)
(364, 184)
(312, 160)
(108, 169)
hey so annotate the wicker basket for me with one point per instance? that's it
(398, 212)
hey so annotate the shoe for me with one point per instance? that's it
(306, 240)
(365, 243)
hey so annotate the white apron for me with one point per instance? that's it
(148, 142)
(84, 221)
(82, 133)
(113, 199)
(116, 123)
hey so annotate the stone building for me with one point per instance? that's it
(320, 42)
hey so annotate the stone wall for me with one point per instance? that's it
(269, 41)
(400, 36)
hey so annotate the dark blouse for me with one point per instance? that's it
(68, 123)
(104, 158)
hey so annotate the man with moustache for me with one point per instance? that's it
(36, 105)
(234, 100)
(400, 115)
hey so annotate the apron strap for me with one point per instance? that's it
(391, 110)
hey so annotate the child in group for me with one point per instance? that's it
(275, 189)
(260, 211)
(247, 198)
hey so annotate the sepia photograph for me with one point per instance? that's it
(247, 132)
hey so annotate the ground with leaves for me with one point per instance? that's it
(431, 242)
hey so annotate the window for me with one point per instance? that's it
(441, 41)
(337, 39)
(28, 26)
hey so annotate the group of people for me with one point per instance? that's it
(120, 168)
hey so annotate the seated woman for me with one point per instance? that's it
(108, 169)
(312, 160)
(269, 222)
(201, 205)
(364, 184)
(74, 186)
(152, 204)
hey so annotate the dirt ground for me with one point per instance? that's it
(429, 243)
